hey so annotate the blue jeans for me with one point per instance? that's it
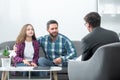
(44, 62)
(22, 64)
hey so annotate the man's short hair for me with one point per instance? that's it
(51, 22)
(93, 18)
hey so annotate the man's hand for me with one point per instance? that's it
(33, 64)
(57, 60)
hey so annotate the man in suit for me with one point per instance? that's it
(97, 37)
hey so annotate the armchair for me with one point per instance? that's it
(103, 65)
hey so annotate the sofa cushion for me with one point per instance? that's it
(77, 47)
(41, 52)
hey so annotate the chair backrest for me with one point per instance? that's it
(108, 57)
(103, 65)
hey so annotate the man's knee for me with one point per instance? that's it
(41, 61)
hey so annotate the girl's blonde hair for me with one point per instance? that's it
(22, 35)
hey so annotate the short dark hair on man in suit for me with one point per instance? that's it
(93, 18)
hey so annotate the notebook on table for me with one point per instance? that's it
(41, 68)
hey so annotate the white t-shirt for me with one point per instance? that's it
(28, 51)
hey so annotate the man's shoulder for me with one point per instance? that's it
(99, 33)
(110, 31)
(107, 30)
(42, 37)
(63, 36)
(87, 37)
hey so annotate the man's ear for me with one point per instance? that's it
(89, 27)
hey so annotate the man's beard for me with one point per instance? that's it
(54, 36)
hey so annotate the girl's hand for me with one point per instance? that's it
(26, 62)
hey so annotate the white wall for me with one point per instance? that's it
(69, 14)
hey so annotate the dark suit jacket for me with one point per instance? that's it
(95, 39)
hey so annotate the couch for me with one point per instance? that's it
(62, 75)
(103, 65)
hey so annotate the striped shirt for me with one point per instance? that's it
(61, 47)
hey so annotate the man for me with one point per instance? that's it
(57, 47)
(97, 37)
